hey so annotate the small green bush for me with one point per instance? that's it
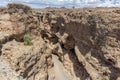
(27, 39)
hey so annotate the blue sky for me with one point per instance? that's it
(65, 3)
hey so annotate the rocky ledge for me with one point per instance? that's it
(67, 44)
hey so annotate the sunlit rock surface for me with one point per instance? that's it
(68, 44)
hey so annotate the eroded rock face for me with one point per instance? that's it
(68, 44)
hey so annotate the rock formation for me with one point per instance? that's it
(68, 44)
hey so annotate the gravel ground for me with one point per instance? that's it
(6, 73)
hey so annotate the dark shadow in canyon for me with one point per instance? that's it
(82, 33)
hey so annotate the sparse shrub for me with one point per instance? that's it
(27, 39)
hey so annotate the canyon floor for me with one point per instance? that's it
(67, 44)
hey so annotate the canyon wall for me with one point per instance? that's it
(68, 44)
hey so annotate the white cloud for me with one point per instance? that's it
(66, 3)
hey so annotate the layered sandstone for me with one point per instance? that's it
(68, 44)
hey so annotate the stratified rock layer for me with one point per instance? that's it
(68, 44)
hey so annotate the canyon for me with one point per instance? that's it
(68, 44)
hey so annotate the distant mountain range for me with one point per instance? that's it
(65, 3)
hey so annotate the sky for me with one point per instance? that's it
(65, 3)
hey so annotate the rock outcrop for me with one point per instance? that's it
(68, 44)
